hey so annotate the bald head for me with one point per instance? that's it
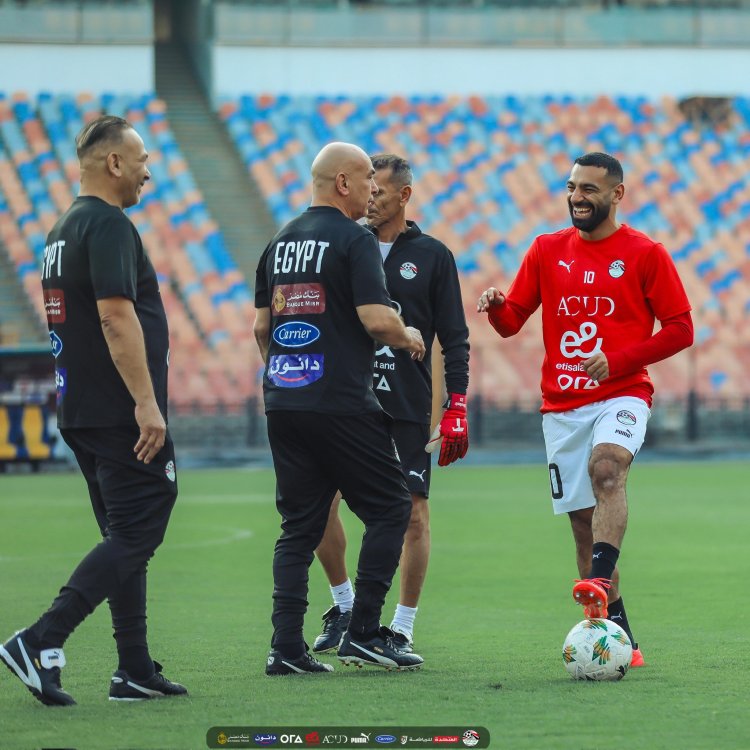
(335, 158)
(342, 177)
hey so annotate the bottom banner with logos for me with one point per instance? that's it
(346, 737)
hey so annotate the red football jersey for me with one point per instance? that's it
(595, 296)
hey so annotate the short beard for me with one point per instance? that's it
(598, 215)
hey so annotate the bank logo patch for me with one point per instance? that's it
(295, 333)
(54, 305)
(295, 370)
(298, 299)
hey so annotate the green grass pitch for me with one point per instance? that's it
(494, 613)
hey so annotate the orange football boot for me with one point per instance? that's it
(637, 660)
(591, 594)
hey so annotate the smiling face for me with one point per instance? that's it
(592, 197)
(132, 165)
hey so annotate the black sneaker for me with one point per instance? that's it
(125, 688)
(335, 623)
(38, 670)
(276, 664)
(403, 642)
(380, 651)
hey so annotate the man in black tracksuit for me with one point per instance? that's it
(423, 283)
(321, 300)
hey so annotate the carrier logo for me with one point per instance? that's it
(408, 270)
(295, 370)
(295, 333)
(54, 305)
(385, 739)
(57, 344)
(616, 268)
(296, 299)
(626, 417)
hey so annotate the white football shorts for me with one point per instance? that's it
(570, 436)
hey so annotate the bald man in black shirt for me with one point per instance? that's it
(322, 301)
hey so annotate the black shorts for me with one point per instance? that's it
(410, 439)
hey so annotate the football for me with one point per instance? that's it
(597, 650)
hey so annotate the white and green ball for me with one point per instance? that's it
(597, 650)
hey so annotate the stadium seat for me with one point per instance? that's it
(490, 175)
(39, 177)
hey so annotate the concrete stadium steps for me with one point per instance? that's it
(231, 196)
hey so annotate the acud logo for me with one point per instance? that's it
(589, 306)
(295, 333)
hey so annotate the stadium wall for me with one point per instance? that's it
(65, 68)
(649, 72)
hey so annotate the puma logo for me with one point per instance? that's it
(616, 617)
(597, 555)
(420, 476)
(565, 265)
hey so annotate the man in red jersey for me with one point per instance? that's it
(601, 285)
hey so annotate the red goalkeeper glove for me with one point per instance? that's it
(452, 435)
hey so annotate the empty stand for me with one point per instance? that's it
(490, 175)
(208, 302)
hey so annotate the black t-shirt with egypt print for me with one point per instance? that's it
(94, 252)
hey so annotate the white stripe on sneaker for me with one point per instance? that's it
(379, 658)
(31, 679)
(291, 666)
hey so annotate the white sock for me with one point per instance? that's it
(403, 620)
(343, 595)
